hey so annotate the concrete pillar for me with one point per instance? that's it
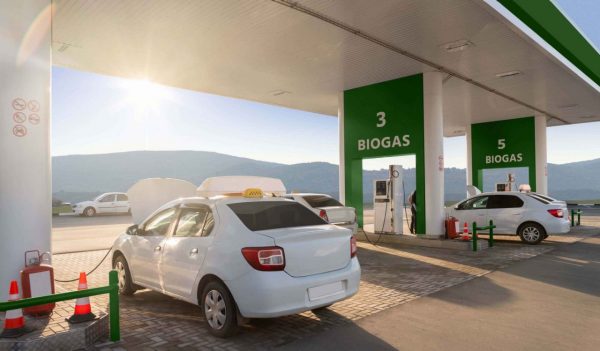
(541, 155)
(342, 169)
(469, 156)
(25, 184)
(434, 153)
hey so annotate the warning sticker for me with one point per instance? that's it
(34, 106)
(19, 104)
(19, 117)
(34, 118)
(19, 130)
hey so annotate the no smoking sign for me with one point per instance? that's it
(21, 108)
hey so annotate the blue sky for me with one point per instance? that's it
(100, 114)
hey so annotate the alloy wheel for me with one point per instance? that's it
(121, 274)
(531, 234)
(215, 309)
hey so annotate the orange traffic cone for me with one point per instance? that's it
(14, 323)
(83, 308)
(465, 233)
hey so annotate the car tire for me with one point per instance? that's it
(531, 233)
(89, 212)
(126, 286)
(219, 309)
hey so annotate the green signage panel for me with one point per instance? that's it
(383, 120)
(503, 144)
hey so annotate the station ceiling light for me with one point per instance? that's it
(508, 74)
(458, 45)
(279, 92)
(566, 106)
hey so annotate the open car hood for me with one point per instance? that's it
(149, 194)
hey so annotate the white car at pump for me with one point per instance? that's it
(328, 208)
(239, 256)
(531, 216)
(102, 204)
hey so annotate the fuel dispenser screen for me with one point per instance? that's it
(380, 188)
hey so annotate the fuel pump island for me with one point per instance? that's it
(388, 202)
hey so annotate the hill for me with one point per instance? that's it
(80, 177)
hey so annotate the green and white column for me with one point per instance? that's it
(541, 155)
(434, 152)
(25, 179)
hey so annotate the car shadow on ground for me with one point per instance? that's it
(149, 314)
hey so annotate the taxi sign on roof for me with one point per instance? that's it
(253, 193)
(216, 186)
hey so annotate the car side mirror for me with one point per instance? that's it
(134, 230)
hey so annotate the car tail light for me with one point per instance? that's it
(353, 247)
(323, 214)
(270, 258)
(556, 213)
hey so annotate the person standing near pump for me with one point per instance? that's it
(412, 200)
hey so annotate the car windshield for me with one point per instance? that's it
(321, 201)
(265, 215)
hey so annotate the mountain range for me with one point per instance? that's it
(82, 177)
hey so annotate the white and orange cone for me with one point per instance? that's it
(83, 308)
(465, 233)
(14, 322)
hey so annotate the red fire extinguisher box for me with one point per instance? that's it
(451, 228)
(37, 279)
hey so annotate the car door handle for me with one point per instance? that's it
(193, 251)
(158, 248)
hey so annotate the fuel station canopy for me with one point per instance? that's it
(502, 59)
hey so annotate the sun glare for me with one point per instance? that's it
(143, 95)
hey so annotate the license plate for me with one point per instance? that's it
(323, 291)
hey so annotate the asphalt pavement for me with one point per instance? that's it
(550, 302)
(74, 233)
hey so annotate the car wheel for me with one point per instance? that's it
(126, 286)
(219, 309)
(89, 212)
(532, 233)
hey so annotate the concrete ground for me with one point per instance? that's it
(74, 233)
(410, 298)
(392, 276)
(550, 302)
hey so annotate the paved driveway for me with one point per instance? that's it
(391, 277)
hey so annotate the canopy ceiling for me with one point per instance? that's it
(301, 54)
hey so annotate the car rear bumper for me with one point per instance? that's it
(274, 294)
(560, 226)
(352, 226)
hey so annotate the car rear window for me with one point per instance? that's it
(321, 201)
(265, 215)
(539, 198)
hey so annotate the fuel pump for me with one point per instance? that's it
(388, 202)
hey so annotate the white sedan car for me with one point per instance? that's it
(239, 257)
(531, 216)
(328, 208)
(104, 203)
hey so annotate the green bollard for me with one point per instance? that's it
(491, 239)
(113, 309)
(578, 217)
(572, 218)
(474, 236)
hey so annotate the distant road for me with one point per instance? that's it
(74, 233)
